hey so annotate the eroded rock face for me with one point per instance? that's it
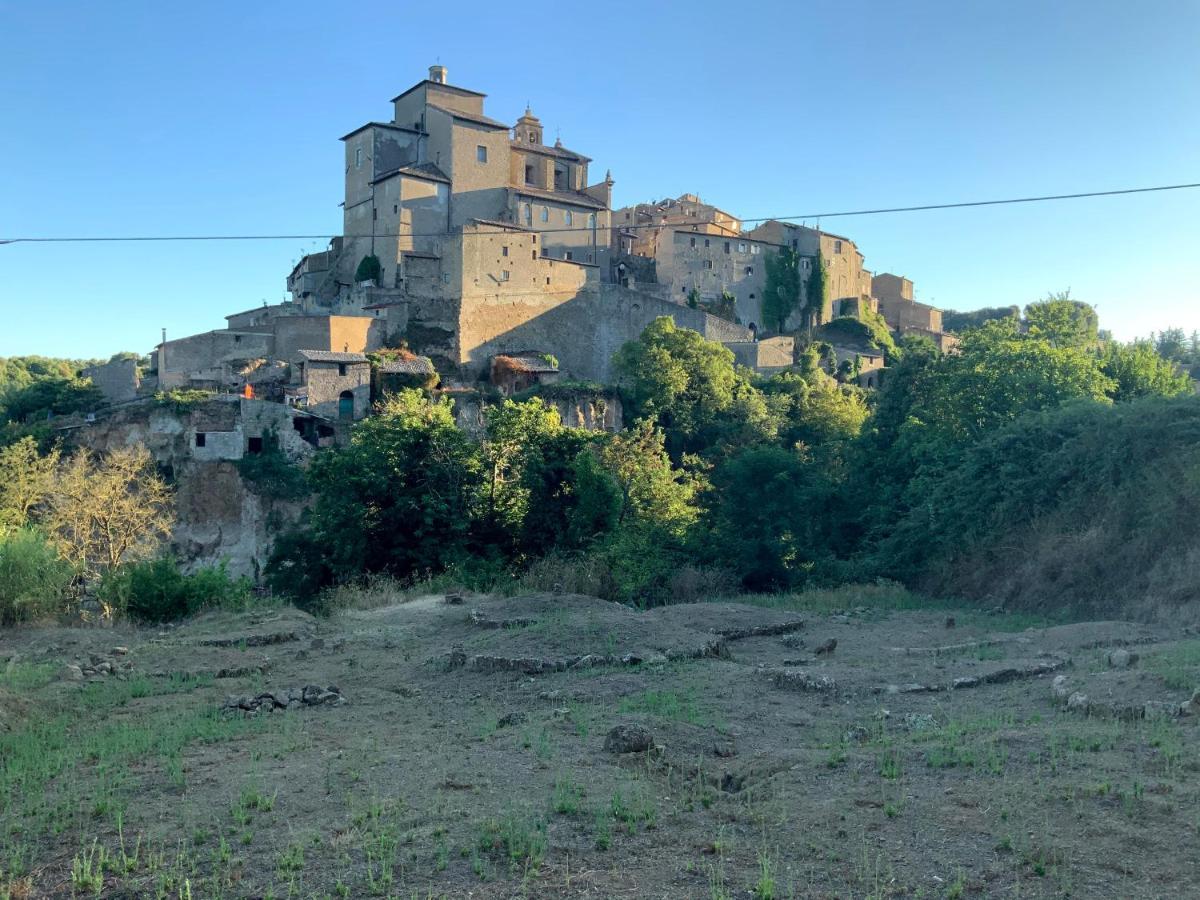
(629, 738)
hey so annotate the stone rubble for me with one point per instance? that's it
(287, 698)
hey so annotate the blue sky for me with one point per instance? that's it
(139, 118)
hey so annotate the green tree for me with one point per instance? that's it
(691, 389)
(1063, 322)
(400, 499)
(27, 483)
(369, 269)
(1137, 370)
(781, 296)
(816, 293)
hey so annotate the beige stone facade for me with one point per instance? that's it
(906, 316)
(412, 184)
(330, 384)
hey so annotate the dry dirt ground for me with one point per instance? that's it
(458, 749)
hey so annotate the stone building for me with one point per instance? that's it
(904, 315)
(332, 385)
(412, 183)
(648, 223)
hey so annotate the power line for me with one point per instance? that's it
(518, 227)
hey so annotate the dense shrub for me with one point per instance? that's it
(1089, 508)
(33, 579)
(158, 591)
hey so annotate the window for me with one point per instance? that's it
(504, 275)
(342, 369)
(533, 254)
(481, 154)
(374, 213)
(529, 177)
(545, 214)
(201, 438)
(693, 242)
(358, 157)
(591, 220)
(741, 247)
(254, 445)
(395, 208)
(706, 242)
(567, 217)
(527, 213)
(837, 246)
(567, 255)
(754, 249)
(751, 296)
(504, 251)
(749, 270)
(727, 246)
(795, 243)
(708, 264)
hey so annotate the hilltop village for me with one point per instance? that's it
(473, 253)
(480, 260)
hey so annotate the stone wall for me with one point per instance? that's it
(208, 355)
(219, 518)
(117, 379)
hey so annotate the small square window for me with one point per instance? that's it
(341, 368)
(727, 246)
(567, 255)
(749, 270)
(741, 247)
(504, 275)
(708, 264)
(201, 439)
(481, 154)
(254, 445)
(504, 251)
(395, 208)
(706, 242)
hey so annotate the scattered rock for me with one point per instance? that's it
(316, 644)
(856, 735)
(1121, 658)
(1191, 707)
(454, 598)
(724, 751)
(71, 673)
(1078, 701)
(510, 719)
(288, 698)
(792, 641)
(798, 661)
(1157, 709)
(629, 738)
(967, 681)
(1060, 687)
(799, 680)
(120, 651)
(919, 721)
(826, 647)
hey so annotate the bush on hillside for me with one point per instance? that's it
(158, 591)
(1087, 508)
(33, 579)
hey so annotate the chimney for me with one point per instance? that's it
(437, 74)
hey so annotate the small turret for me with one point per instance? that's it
(528, 129)
(437, 74)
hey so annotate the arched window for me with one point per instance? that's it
(346, 405)
(527, 213)
(591, 220)
(567, 217)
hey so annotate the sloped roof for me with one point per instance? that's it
(331, 356)
(573, 197)
(418, 365)
(533, 363)
(561, 152)
(427, 171)
(391, 125)
(477, 118)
